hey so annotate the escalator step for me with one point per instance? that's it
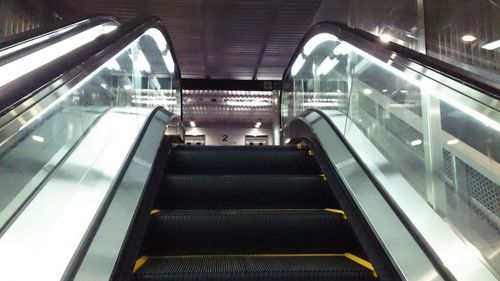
(240, 160)
(249, 268)
(192, 232)
(245, 192)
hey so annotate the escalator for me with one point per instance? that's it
(369, 183)
(248, 213)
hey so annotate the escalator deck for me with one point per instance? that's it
(248, 213)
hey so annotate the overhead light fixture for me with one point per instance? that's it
(249, 103)
(385, 38)
(469, 38)
(492, 45)
(192, 123)
(127, 87)
(104, 85)
(404, 91)
(453, 141)
(316, 40)
(257, 125)
(384, 91)
(367, 91)
(288, 140)
(416, 142)
(326, 66)
(297, 65)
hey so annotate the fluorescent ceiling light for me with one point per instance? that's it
(384, 91)
(104, 85)
(492, 45)
(367, 91)
(288, 140)
(28, 63)
(297, 65)
(192, 123)
(127, 87)
(169, 62)
(248, 103)
(317, 40)
(257, 125)
(453, 141)
(469, 38)
(326, 66)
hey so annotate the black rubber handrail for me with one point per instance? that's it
(28, 35)
(67, 67)
(450, 71)
(17, 91)
(424, 245)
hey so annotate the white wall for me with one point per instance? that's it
(235, 136)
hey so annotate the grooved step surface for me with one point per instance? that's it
(240, 160)
(248, 232)
(245, 192)
(252, 268)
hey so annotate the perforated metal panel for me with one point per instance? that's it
(448, 165)
(483, 190)
(406, 134)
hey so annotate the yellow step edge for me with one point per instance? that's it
(349, 256)
(154, 211)
(362, 262)
(337, 211)
(140, 262)
(323, 177)
(248, 255)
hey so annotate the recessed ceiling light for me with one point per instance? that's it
(469, 38)
(453, 141)
(367, 91)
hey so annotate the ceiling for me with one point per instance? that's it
(218, 39)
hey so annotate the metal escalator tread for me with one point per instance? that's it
(247, 268)
(240, 160)
(245, 192)
(188, 232)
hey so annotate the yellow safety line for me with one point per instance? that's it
(140, 262)
(249, 255)
(350, 256)
(337, 211)
(362, 262)
(310, 153)
(154, 211)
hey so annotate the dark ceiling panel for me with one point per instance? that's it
(218, 39)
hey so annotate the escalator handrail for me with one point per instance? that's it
(69, 66)
(20, 38)
(443, 270)
(445, 69)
